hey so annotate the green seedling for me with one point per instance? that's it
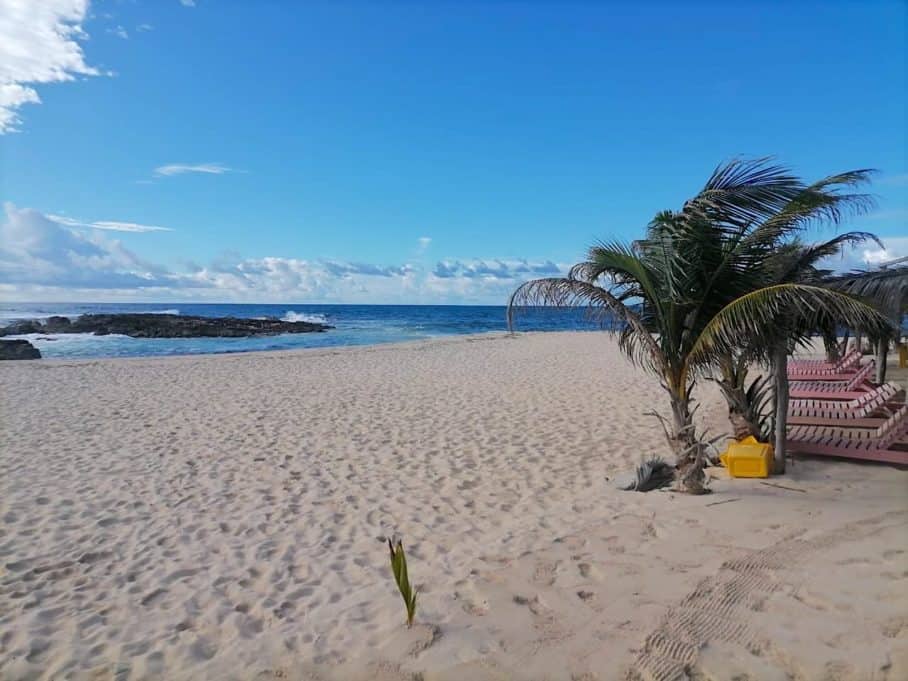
(399, 567)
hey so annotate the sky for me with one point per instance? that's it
(411, 152)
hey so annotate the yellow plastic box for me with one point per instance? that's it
(748, 459)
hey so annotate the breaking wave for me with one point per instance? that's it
(292, 316)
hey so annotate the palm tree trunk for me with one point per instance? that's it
(682, 435)
(882, 351)
(733, 385)
(780, 379)
(831, 343)
(741, 414)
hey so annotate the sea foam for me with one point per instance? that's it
(292, 316)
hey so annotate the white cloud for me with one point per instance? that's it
(120, 32)
(51, 257)
(110, 225)
(39, 43)
(187, 3)
(895, 247)
(142, 28)
(864, 256)
(182, 168)
(424, 243)
(36, 250)
(496, 269)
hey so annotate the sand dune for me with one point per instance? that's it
(224, 517)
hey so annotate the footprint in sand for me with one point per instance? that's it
(895, 626)
(544, 620)
(544, 573)
(471, 602)
(589, 571)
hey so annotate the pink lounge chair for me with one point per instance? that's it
(858, 408)
(843, 364)
(796, 374)
(870, 445)
(854, 388)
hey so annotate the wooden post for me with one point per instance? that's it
(882, 351)
(780, 393)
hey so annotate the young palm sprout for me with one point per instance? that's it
(399, 568)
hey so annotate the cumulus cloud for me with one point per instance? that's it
(39, 43)
(110, 225)
(36, 250)
(495, 269)
(183, 168)
(895, 247)
(61, 258)
(869, 255)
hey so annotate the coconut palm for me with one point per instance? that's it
(772, 322)
(792, 262)
(672, 292)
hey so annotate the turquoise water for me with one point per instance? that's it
(355, 325)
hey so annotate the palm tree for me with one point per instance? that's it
(672, 291)
(771, 322)
(792, 262)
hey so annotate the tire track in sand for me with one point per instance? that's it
(716, 610)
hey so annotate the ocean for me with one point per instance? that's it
(354, 325)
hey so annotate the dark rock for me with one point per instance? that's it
(163, 326)
(18, 349)
(21, 328)
(57, 325)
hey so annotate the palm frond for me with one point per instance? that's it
(798, 262)
(743, 192)
(762, 319)
(822, 202)
(635, 339)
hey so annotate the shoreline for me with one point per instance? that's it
(314, 351)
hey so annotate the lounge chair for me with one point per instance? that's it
(799, 374)
(846, 362)
(853, 388)
(870, 445)
(859, 407)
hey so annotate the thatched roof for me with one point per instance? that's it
(886, 288)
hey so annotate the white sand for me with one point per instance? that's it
(224, 518)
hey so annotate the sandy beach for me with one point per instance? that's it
(224, 517)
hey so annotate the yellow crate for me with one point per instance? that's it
(748, 459)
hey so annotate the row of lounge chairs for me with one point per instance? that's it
(834, 410)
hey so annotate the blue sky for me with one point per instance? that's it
(409, 152)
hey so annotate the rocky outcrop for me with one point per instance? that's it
(162, 326)
(18, 349)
